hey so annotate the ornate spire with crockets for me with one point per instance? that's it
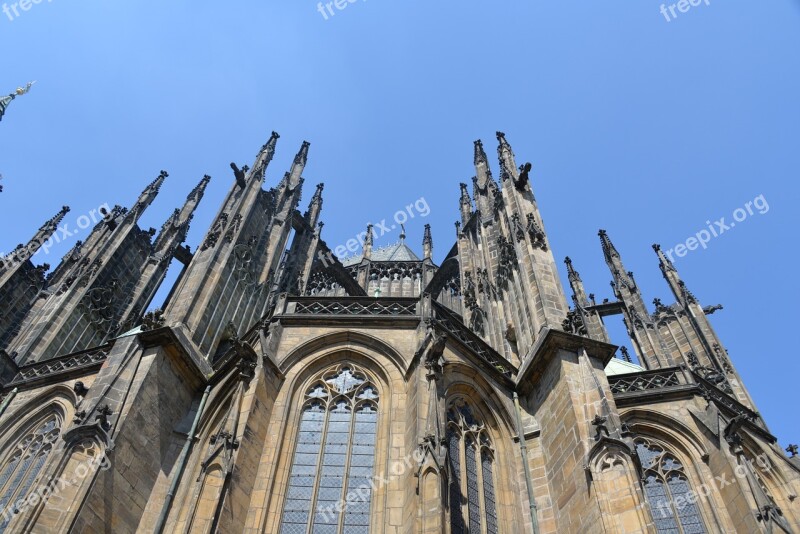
(148, 196)
(174, 230)
(22, 253)
(265, 156)
(506, 158)
(6, 100)
(314, 207)
(298, 165)
(427, 243)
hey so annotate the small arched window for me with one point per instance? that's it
(332, 468)
(471, 461)
(667, 490)
(23, 466)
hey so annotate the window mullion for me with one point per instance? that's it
(318, 474)
(481, 486)
(463, 486)
(347, 461)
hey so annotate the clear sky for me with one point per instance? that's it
(642, 126)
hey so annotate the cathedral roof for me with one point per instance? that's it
(620, 367)
(397, 252)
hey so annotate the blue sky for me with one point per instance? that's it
(644, 127)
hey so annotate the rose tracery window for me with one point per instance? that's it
(23, 465)
(471, 493)
(667, 491)
(334, 456)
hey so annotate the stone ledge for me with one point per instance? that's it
(549, 342)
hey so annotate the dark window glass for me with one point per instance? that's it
(334, 458)
(667, 491)
(472, 492)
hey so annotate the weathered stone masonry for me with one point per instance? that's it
(279, 390)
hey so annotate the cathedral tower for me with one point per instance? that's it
(285, 390)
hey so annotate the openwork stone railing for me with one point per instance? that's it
(352, 306)
(648, 380)
(458, 330)
(63, 364)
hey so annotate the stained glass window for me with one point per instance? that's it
(471, 457)
(332, 468)
(667, 490)
(18, 475)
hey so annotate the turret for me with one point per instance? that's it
(652, 350)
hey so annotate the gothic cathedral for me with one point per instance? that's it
(282, 390)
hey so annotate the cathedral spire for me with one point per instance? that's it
(591, 320)
(483, 173)
(638, 319)
(579, 293)
(609, 250)
(147, 196)
(485, 189)
(10, 264)
(427, 243)
(265, 156)
(315, 206)
(174, 230)
(298, 165)
(614, 261)
(682, 294)
(44, 233)
(506, 157)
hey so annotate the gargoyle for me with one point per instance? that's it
(524, 171)
(239, 174)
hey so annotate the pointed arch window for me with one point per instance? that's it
(472, 501)
(334, 456)
(667, 490)
(24, 464)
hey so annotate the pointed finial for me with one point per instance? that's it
(368, 237)
(465, 198)
(314, 206)
(427, 242)
(571, 272)
(501, 138)
(480, 155)
(664, 262)
(608, 247)
(197, 193)
(55, 219)
(503, 152)
(302, 155)
(269, 146)
(148, 195)
(318, 193)
(6, 100)
(402, 232)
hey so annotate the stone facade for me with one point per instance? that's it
(283, 391)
